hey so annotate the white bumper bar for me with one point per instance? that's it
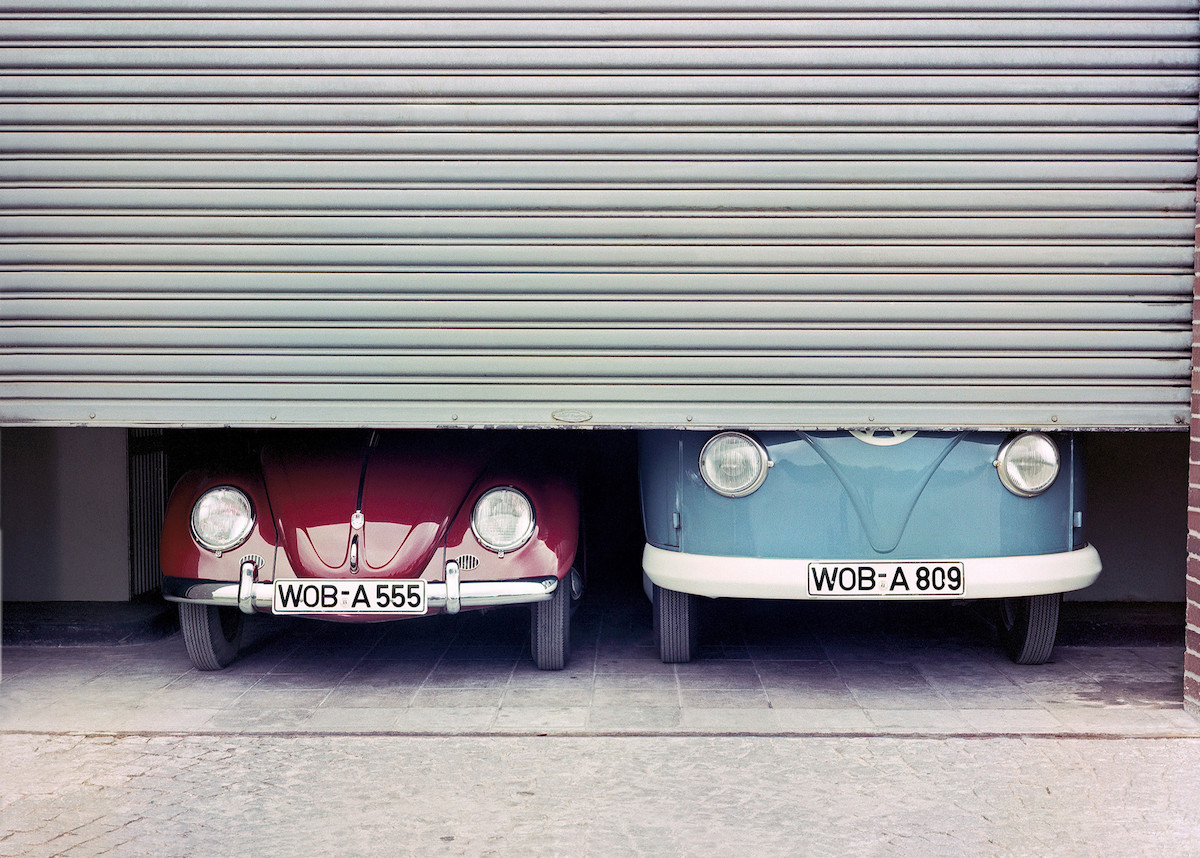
(769, 578)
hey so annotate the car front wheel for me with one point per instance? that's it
(676, 625)
(550, 628)
(1028, 626)
(212, 634)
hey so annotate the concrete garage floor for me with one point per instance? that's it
(846, 730)
(770, 669)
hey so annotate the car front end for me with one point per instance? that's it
(356, 527)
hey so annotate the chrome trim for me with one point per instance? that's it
(522, 539)
(765, 464)
(469, 594)
(250, 511)
(490, 594)
(1002, 458)
(453, 588)
(226, 594)
(354, 553)
(246, 586)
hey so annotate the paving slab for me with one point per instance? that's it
(764, 668)
(817, 730)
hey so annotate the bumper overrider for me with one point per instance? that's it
(451, 595)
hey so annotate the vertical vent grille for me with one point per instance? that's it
(147, 504)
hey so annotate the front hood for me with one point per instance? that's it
(883, 488)
(408, 488)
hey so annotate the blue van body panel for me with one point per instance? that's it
(832, 495)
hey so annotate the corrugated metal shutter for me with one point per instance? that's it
(283, 212)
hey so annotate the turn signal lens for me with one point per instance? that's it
(222, 519)
(1028, 464)
(502, 519)
(733, 464)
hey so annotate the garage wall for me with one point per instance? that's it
(64, 510)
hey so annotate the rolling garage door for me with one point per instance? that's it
(613, 213)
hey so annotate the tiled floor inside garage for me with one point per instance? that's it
(764, 668)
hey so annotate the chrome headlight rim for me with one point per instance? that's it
(239, 536)
(764, 465)
(521, 539)
(1006, 453)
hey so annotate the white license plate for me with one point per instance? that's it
(366, 596)
(881, 579)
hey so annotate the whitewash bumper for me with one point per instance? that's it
(787, 578)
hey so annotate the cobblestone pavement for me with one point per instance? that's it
(176, 795)
(802, 730)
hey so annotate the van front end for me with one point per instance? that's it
(865, 515)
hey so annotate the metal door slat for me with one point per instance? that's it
(655, 213)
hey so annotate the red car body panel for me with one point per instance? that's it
(181, 557)
(409, 493)
(312, 499)
(416, 492)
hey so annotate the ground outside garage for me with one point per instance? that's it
(845, 728)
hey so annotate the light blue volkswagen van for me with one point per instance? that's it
(865, 515)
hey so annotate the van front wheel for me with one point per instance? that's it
(1028, 626)
(676, 625)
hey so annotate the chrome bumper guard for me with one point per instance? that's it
(450, 595)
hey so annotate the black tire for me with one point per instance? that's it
(212, 635)
(676, 626)
(1028, 626)
(550, 628)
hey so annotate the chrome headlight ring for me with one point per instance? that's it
(503, 519)
(222, 518)
(1028, 464)
(734, 464)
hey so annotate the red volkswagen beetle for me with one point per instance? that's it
(371, 526)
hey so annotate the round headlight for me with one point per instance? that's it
(222, 519)
(502, 519)
(733, 464)
(1028, 464)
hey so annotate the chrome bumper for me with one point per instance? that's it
(450, 595)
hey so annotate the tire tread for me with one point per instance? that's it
(550, 629)
(676, 625)
(1030, 639)
(204, 636)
